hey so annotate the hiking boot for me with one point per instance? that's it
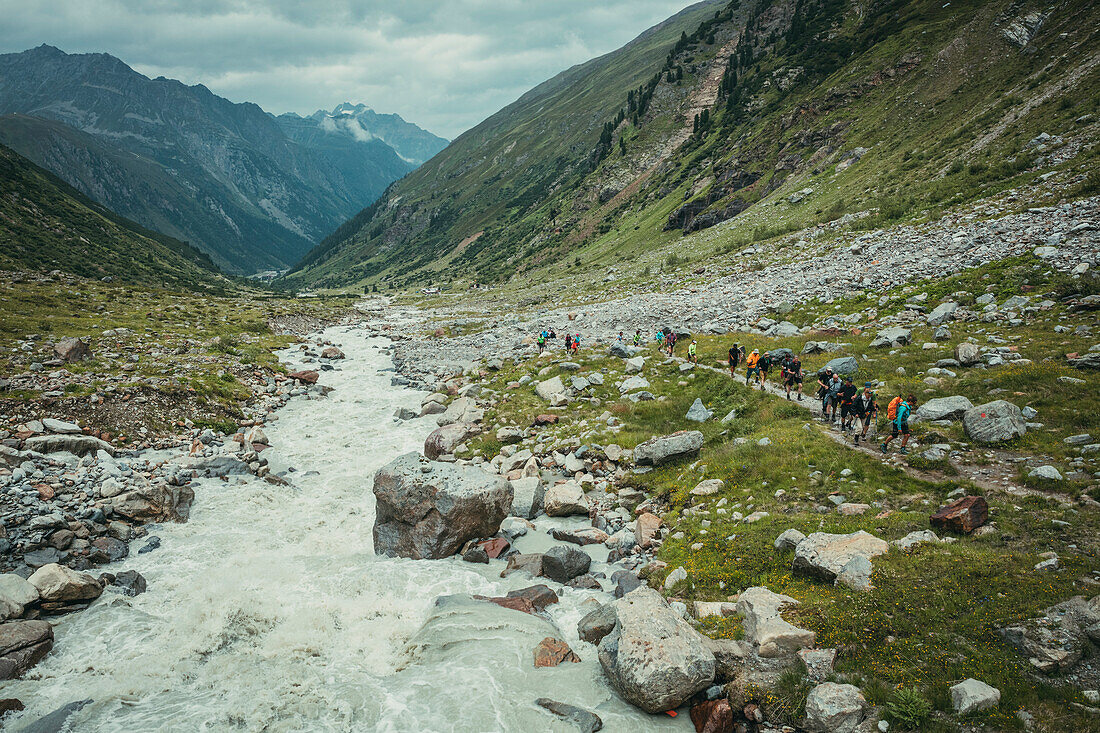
(799, 398)
(903, 450)
(856, 439)
(788, 396)
(883, 447)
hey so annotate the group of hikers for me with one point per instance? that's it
(844, 405)
(572, 341)
(852, 409)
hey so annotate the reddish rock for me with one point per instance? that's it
(308, 376)
(964, 515)
(546, 420)
(540, 596)
(712, 716)
(45, 493)
(551, 652)
(646, 531)
(332, 353)
(10, 705)
(494, 547)
(72, 349)
(516, 604)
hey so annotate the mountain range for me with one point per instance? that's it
(251, 190)
(45, 224)
(734, 122)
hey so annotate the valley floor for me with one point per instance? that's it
(980, 307)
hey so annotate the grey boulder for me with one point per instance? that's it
(80, 445)
(833, 708)
(994, 422)
(665, 448)
(429, 510)
(698, 412)
(825, 555)
(942, 408)
(562, 563)
(653, 658)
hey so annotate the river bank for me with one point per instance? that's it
(268, 608)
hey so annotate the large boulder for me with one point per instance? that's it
(964, 515)
(22, 645)
(894, 336)
(825, 555)
(1057, 640)
(59, 584)
(155, 502)
(972, 696)
(446, 438)
(565, 500)
(994, 422)
(550, 387)
(429, 510)
(765, 628)
(462, 410)
(833, 708)
(942, 408)
(942, 313)
(665, 448)
(15, 594)
(562, 563)
(842, 365)
(653, 658)
(967, 353)
(80, 445)
(698, 412)
(631, 384)
(72, 349)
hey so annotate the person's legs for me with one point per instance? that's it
(904, 437)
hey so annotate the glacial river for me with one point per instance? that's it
(268, 610)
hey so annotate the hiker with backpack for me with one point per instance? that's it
(753, 365)
(568, 342)
(847, 396)
(736, 355)
(898, 413)
(576, 344)
(866, 410)
(638, 337)
(824, 379)
(763, 366)
(542, 341)
(670, 340)
(692, 349)
(792, 371)
(832, 399)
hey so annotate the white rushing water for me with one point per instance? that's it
(268, 611)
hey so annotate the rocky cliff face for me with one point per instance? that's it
(182, 160)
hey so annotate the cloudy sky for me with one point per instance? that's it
(444, 64)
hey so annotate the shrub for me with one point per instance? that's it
(908, 709)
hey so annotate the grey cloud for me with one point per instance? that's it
(444, 64)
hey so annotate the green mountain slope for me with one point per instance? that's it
(45, 224)
(770, 116)
(515, 158)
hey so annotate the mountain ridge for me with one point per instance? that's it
(257, 199)
(815, 110)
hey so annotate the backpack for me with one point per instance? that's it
(892, 408)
